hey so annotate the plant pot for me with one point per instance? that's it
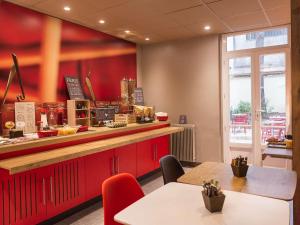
(239, 171)
(213, 204)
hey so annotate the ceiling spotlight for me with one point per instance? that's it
(147, 39)
(102, 21)
(67, 8)
(127, 31)
(207, 27)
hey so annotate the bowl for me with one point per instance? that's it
(162, 118)
(67, 130)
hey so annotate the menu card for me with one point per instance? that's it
(138, 96)
(25, 116)
(74, 88)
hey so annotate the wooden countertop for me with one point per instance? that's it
(92, 133)
(282, 153)
(32, 161)
(268, 182)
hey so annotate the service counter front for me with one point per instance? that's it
(43, 178)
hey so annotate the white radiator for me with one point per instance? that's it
(183, 143)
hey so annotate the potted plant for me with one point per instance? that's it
(213, 196)
(239, 166)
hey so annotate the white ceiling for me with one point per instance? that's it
(163, 20)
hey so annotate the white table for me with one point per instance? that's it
(182, 204)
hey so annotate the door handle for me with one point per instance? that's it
(51, 189)
(117, 165)
(44, 192)
(113, 166)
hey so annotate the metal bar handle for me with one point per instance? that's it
(51, 189)
(118, 166)
(113, 166)
(44, 192)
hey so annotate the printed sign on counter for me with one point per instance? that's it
(25, 116)
(74, 88)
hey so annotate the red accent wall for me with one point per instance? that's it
(21, 33)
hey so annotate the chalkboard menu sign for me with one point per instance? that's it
(74, 88)
(138, 96)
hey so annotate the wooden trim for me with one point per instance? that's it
(37, 160)
(295, 81)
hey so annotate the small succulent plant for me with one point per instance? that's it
(212, 188)
(239, 161)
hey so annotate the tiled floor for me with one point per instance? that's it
(93, 215)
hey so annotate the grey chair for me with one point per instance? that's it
(171, 168)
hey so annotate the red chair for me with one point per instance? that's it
(118, 192)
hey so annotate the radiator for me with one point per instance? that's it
(183, 143)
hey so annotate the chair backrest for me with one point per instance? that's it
(171, 168)
(118, 192)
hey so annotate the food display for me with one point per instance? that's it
(275, 141)
(125, 118)
(67, 130)
(144, 114)
(115, 124)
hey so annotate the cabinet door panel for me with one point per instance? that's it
(145, 157)
(98, 167)
(21, 200)
(65, 186)
(162, 148)
(126, 159)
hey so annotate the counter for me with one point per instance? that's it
(43, 178)
(94, 133)
(37, 160)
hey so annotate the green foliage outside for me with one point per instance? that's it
(242, 107)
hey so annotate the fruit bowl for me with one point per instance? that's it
(67, 130)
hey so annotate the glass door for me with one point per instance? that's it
(257, 103)
(240, 101)
(272, 69)
(255, 91)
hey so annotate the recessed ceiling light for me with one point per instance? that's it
(102, 21)
(207, 27)
(127, 31)
(147, 39)
(67, 8)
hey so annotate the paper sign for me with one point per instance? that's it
(25, 116)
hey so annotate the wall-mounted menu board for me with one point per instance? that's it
(74, 88)
(138, 96)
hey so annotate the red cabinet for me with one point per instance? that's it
(22, 198)
(37, 195)
(161, 148)
(145, 157)
(65, 186)
(125, 159)
(98, 167)
(149, 152)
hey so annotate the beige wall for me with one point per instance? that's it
(182, 77)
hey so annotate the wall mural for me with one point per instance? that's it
(49, 49)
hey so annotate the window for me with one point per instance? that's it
(258, 39)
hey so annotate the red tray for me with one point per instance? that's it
(47, 133)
